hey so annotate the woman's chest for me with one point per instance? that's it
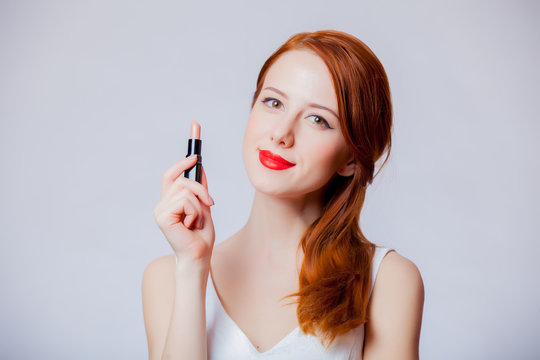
(254, 301)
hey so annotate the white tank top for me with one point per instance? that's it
(227, 342)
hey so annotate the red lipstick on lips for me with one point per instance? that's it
(273, 161)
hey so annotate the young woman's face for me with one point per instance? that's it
(294, 117)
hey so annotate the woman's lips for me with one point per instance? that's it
(273, 161)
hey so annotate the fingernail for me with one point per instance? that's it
(211, 200)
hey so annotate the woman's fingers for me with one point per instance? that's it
(175, 171)
(182, 198)
(204, 181)
(198, 189)
(184, 207)
(173, 181)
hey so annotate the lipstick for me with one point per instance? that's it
(194, 147)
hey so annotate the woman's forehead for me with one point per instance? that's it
(302, 74)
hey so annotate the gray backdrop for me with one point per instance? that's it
(96, 98)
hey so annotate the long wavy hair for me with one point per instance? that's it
(335, 277)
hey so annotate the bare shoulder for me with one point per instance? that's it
(158, 281)
(158, 288)
(397, 273)
(395, 310)
(160, 265)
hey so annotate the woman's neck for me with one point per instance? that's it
(275, 226)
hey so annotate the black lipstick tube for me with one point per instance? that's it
(194, 172)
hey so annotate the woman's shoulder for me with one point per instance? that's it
(162, 262)
(396, 305)
(398, 277)
(160, 269)
(396, 269)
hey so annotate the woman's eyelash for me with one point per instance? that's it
(324, 122)
(270, 99)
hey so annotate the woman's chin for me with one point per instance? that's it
(282, 189)
(271, 187)
(269, 181)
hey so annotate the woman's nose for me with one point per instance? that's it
(283, 133)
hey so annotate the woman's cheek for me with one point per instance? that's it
(251, 136)
(257, 127)
(324, 154)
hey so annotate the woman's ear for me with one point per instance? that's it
(348, 169)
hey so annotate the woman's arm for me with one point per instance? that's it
(395, 311)
(173, 292)
(174, 309)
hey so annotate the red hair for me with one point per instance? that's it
(335, 277)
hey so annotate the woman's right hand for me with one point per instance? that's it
(183, 214)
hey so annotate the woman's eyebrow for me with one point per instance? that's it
(310, 104)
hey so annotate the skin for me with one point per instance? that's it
(259, 264)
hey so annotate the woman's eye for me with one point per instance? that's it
(273, 103)
(320, 121)
(276, 104)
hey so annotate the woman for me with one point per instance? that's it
(321, 117)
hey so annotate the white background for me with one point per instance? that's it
(96, 98)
